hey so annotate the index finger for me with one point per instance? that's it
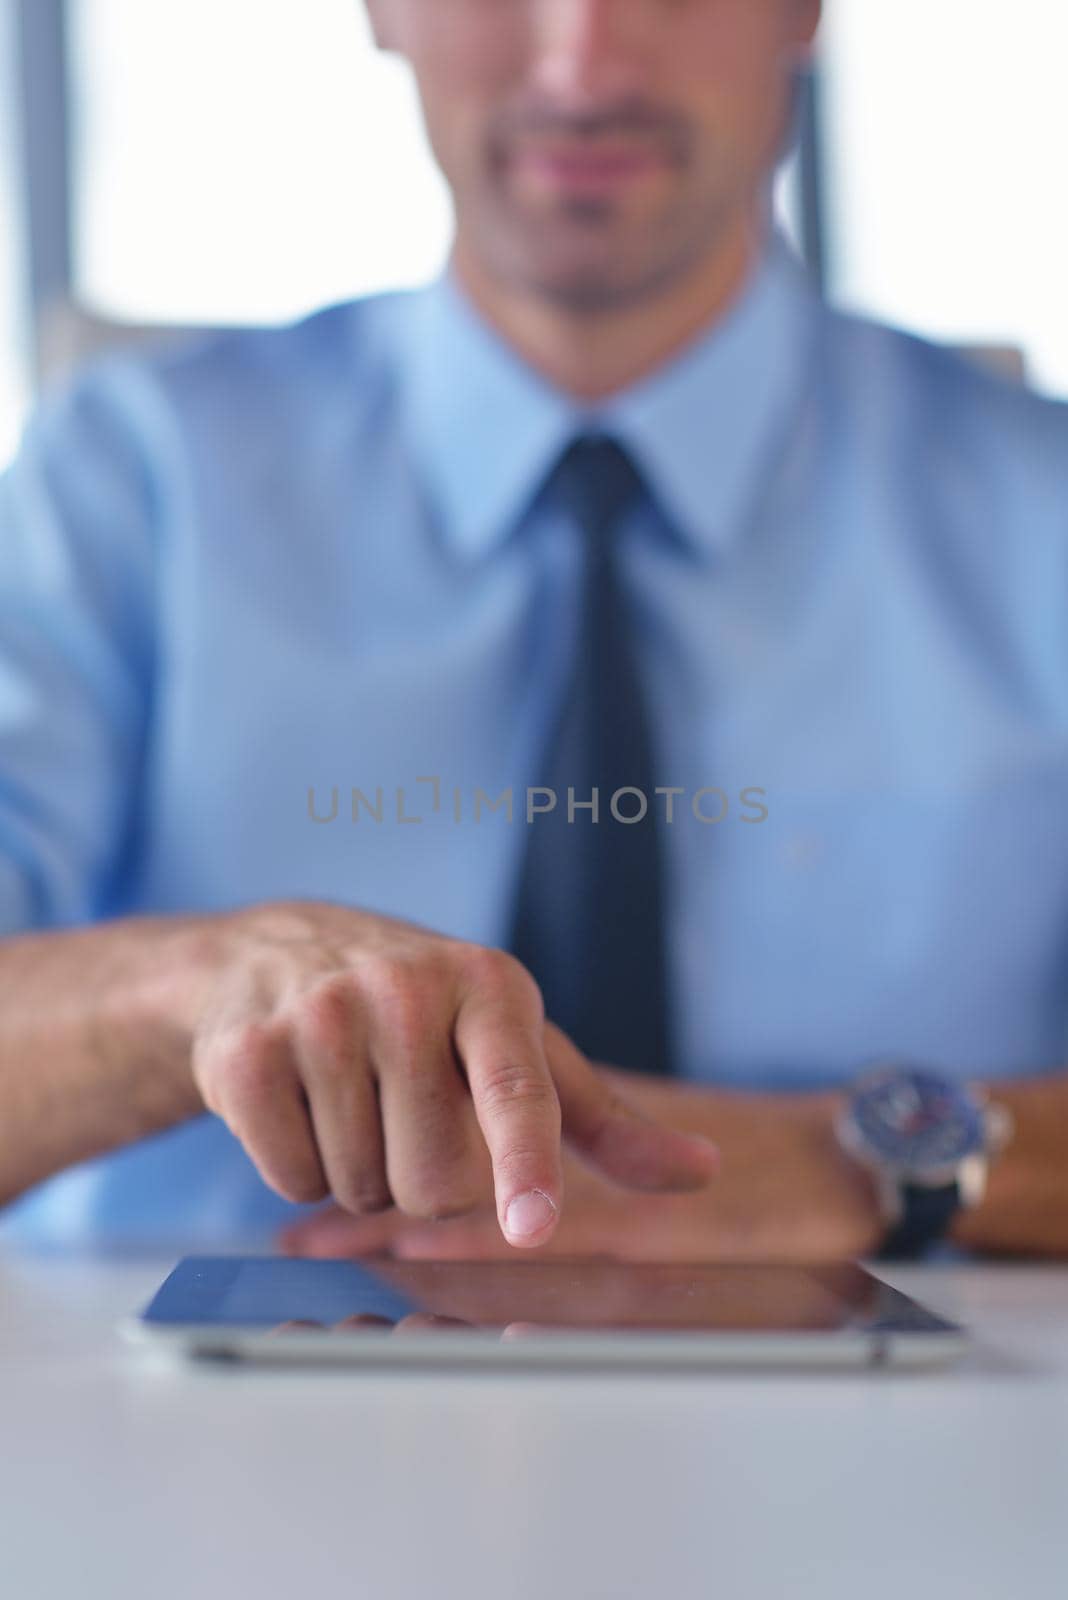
(498, 1034)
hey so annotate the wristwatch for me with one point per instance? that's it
(927, 1141)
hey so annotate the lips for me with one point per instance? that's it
(586, 167)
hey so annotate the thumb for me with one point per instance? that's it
(614, 1136)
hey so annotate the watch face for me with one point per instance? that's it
(917, 1121)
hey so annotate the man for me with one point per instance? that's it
(290, 620)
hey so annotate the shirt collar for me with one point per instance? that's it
(486, 427)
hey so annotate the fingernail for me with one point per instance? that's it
(529, 1214)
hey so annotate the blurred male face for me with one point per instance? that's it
(600, 150)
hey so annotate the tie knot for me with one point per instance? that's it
(597, 482)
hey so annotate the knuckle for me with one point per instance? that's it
(246, 1070)
(302, 1187)
(486, 964)
(406, 999)
(363, 1194)
(504, 986)
(436, 1196)
(498, 971)
(327, 1014)
(381, 972)
(250, 1042)
(512, 1085)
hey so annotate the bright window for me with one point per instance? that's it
(947, 127)
(245, 160)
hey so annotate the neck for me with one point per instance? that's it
(593, 354)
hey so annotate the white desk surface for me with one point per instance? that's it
(124, 1476)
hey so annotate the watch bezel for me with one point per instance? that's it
(972, 1105)
(968, 1174)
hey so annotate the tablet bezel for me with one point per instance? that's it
(904, 1334)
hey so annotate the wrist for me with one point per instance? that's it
(159, 1003)
(1014, 1214)
(855, 1184)
(928, 1141)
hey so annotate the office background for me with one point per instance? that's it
(203, 161)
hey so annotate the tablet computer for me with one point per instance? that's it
(538, 1312)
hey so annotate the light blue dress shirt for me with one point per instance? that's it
(241, 574)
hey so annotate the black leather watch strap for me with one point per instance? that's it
(925, 1216)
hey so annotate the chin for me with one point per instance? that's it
(586, 291)
(599, 279)
(598, 287)
(603, 264)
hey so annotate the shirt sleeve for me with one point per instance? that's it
(77, 579)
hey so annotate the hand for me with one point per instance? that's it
(785, 1192)
(348, 1052)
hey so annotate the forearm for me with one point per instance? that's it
(95, 1033)
(1025, 1209)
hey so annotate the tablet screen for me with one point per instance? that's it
(527, 1295)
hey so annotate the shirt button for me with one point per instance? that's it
(803, 851)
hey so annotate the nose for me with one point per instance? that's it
(592, 50)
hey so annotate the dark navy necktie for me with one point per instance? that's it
(589, 912)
